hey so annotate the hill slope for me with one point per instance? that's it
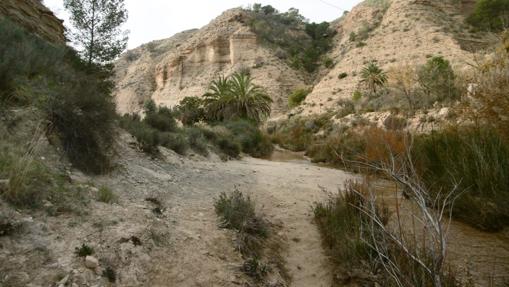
(184, 65)
(394, 33)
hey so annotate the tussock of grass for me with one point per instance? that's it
(237, 212)
(106, 195)
(475, 158)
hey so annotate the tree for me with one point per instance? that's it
(97, 28)
(437, 80)
(491, 15)
(237, 97)
(373, 76)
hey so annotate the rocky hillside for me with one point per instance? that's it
(184, 65)
(35, 17)
(393, 33)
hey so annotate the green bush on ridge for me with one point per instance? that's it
(304, 47)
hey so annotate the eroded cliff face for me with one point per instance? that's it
(35, 17)
(169, 70)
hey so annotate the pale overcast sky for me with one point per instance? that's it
(158, 19)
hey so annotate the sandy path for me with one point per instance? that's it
(283, 191)
(287, 191)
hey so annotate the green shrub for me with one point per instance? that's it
(328, 63)
(160, 118)
(28, 179)
(174, 141)
(342, 76)
(477, 160)
(190, 110)
(297, 97)
(436, 79)
(23, 57)
(106, 195)
(357, 95)
(237, 212)
(84, 250)
(229, 147)
(253, 141)
(340, 223)
(147, 137)
(293, 134)
(490, 15)
(197, 140)
(75, 96)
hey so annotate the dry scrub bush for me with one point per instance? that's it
(491, 91)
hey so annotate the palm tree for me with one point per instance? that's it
(237, 97)
(216, 99)
(373, 76)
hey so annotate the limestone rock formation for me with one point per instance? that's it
(393, 33)
(35, 17)
(184, 65)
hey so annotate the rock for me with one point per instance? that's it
(35, 17)
(91, 262)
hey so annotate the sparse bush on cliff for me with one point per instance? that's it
(490, 15)
(297, 97)
(304, 47)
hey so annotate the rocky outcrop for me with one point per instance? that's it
(169, 70)
(35, 17)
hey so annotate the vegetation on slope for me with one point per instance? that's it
(301, 43)
(490, 15)
(227, 119)
(75, 97)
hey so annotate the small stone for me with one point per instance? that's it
(64, 280)
(91, 262)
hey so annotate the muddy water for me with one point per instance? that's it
(478, 256)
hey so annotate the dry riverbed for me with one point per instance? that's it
(163, 231)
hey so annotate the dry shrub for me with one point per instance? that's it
(353, 149)
(381, 144)
(491, 89)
